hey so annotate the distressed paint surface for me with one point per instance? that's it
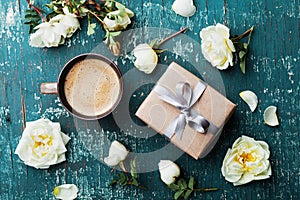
(272, 73)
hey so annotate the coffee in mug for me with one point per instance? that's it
(89, 86)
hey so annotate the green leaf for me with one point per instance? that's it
(91, 29)
(173, 187)
(160, 50)
(178, 194)
(123, 179)
(135, 182)
(242, 54)
(245, 46)
(191, 183)
(243, 65)
(187, 194)
(153, 42)
(182, 184)
(28, 16)
(113, 182)
(114, 34)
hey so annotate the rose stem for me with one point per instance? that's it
(206, 189)
(243, 35)
(38, 10)
(96, 16)
(171, 36)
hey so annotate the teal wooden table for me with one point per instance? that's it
(272, 73)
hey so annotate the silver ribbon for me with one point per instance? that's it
(184, 100)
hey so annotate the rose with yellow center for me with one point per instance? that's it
(248, 160)
(42, 144)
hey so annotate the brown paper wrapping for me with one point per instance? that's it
(212, 105)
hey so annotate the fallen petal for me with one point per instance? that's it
(184, 8)
(66, 191)
(250, 98)
(270, 116)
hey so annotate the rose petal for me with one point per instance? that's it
(66, 191)
(270, 116)
(184, 8)
(250, 98)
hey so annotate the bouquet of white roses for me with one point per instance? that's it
(52, 28)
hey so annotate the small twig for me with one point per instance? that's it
(139, 186)
(206, 189)
(171, 36)
(243, 35)
(96, 16)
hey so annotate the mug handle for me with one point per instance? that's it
(49, 88)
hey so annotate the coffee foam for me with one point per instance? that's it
(92, 87)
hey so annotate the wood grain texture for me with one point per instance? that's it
(272, 73)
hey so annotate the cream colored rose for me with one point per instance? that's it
(48, 35)
(146, 58)
(248, 160)
(68, 20)
(54, 32)
(216, 46)
(169, 171)
(42, 144)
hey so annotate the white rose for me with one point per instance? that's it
(184, 8)
(246, 161)
(48, 35)
(117, 153)
(66, 192)
(216, 46)
(118, 20)
(68, 20)
(169, 171)
(146, 58)
(42, 144)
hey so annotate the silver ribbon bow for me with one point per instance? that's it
(184, 100)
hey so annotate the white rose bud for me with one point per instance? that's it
(146, 58)
(184, 8)
(169, 171)
(248, 160)
(42, 144)
(118, 20)
(216, 46)
(117, 153)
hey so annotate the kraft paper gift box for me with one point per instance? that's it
(212, 105)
